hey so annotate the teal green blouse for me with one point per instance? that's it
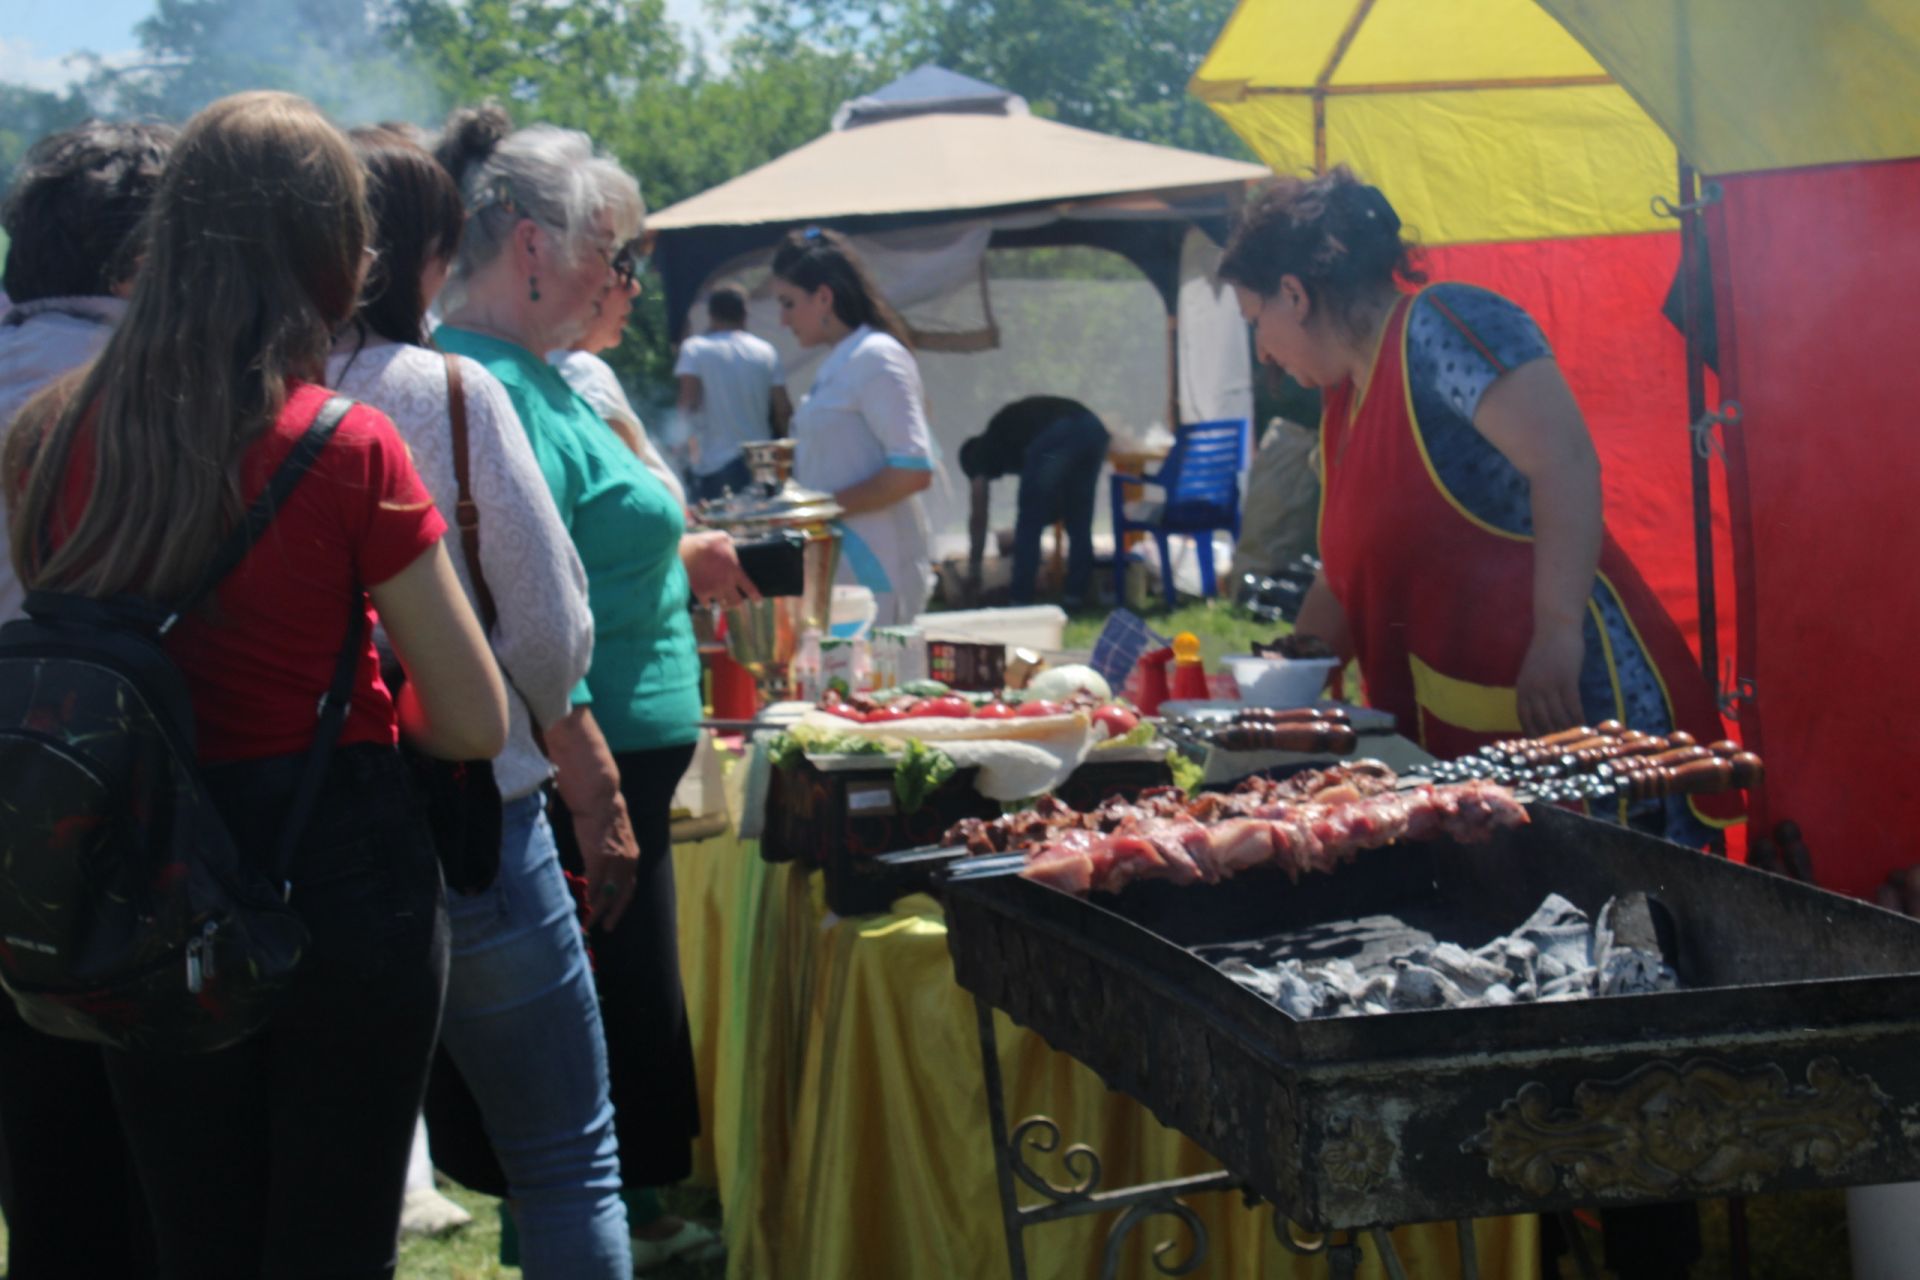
(644, 683)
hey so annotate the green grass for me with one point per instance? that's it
(1222, 628)
(473, 1252)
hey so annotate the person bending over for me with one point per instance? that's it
(1057, 447)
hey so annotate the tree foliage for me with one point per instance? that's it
(1116, 68)
(27, 115)
(624, 73)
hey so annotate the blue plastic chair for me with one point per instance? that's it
(1201, 480)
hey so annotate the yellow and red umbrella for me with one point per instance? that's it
(1515, 158)
(1482, 120)
(1532, 135)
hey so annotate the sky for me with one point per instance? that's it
(37, 36)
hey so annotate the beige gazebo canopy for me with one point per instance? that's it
(935, 147)
(944, 164)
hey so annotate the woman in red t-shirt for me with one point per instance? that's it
(285, 1154)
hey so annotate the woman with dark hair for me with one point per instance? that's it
(861, 434)
(72, 218)
(1466, 564)
(546, 217)
(285, 1154)
(522, 1020)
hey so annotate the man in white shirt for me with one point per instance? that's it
(732, 391)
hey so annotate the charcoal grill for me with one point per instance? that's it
(1786, 1062)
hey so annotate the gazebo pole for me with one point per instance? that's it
(1173, 369)
(1691, 313)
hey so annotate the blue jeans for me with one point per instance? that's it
(523, 1024)
(1058, 481)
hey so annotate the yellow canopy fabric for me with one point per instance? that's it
(936, 163)
(1482, 120)
(1764, 84)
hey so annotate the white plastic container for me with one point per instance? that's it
(1279, 682)
(854, 610)
(1027, 626)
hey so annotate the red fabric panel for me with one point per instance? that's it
(1815, 270)
(1599, 301)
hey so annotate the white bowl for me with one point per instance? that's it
(1279, 682)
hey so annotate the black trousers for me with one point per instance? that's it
(74, 1207)
(286, 1156)
(637, 968)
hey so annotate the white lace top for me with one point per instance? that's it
(543, 637)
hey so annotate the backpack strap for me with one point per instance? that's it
(334, 705)
(339, 695)
(279, 488)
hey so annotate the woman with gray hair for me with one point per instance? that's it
(547, 217)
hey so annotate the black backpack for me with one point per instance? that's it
(127, 916)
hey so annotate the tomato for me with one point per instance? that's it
(881, 715)
(1117, 719)
(845, 710)
(947, 704)
(995, 710)
(1038, 707)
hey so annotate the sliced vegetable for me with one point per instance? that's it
(950, 704)
(995, 710)
(1116, 720)
(925, 688)
(1037, 707)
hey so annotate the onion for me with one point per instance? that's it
(1057, 684)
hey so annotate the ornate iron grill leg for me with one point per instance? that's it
(1002, 1160)
(1083, 1195)
(1469, 1250)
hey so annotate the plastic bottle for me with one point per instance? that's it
(807, 682)
(1189, 677)
(1153, 680)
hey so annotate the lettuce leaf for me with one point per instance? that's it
(1188, 773)
(1144, 734)
(918, 773)
(922, 770)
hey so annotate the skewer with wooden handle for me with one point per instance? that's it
(1697, 777)
(1534, 757)
(1308, 737)
(1563, 738)
(1290, 715)
(1669, 759)
(1626, 746)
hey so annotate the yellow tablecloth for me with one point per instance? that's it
(845, 1109)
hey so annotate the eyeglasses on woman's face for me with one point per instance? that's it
(622, 262)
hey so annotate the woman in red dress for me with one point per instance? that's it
(1466, 563)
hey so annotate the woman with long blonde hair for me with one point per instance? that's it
(285, 1154)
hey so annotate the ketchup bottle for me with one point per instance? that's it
(1153, 680)
(1189, 677)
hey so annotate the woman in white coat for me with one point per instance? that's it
(861, 434)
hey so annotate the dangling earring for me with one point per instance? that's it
(533, 288)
